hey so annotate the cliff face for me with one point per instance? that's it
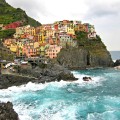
(89, 53)
(73, 57)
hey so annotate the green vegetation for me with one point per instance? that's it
(6, 55)
(8, 14)
(6, 33)
(94, 46)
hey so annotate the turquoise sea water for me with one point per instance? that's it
(95, 100)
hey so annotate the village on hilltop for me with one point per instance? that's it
(46, 40)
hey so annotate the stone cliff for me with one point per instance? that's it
(88, 53)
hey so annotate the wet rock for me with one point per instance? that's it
(7, 112)
(117, 62)
(87, 78)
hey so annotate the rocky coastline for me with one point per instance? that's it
(56, 70)
(51, 72)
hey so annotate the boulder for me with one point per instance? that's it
(7, 112)
(87, 78)
(117, 62)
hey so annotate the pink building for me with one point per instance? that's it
(52, 51)
(50, 40)
(29, 51)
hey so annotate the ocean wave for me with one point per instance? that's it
(96, 80)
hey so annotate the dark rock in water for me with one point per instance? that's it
(87, 78)
(7, 112)
(117, 63)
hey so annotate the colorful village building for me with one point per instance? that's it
(52, 51)
(67, 40)
(48, 39)
(31, 49)
(14, 47)
(7, 42)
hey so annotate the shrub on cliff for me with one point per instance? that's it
(6, 33)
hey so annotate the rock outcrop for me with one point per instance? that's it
(7, 112)
(117, 62)
(78, 58)
(8, 80)
(73, 58)
(88, 53)
(51, 72)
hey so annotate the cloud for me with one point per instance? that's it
(35, 9)
(102, 9)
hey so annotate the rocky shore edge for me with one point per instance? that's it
(46, 73)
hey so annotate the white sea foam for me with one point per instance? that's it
(107, 115)
(96, 80)
(28, 87)
(25, 117)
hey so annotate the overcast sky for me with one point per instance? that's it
(104, 14)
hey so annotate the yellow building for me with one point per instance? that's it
(50, 33)
(70, 30)
(20, 46)
(32, 31)
(42, 37)
(13, 48)
(42, 50)
(36, 44)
